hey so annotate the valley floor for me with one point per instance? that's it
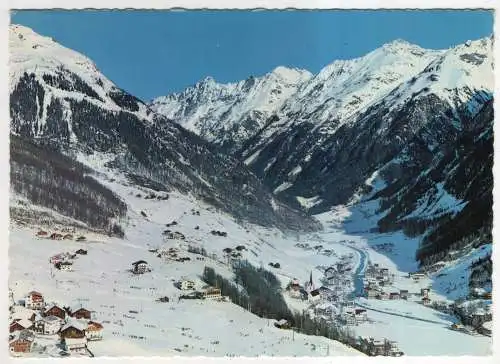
(136, 325)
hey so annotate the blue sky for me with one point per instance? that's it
(153, 53)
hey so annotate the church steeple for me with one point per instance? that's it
(310, 284)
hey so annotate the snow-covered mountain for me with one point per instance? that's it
(392, 152)
(229, 114)
(304, 145)
(397, 109)
(61, 102)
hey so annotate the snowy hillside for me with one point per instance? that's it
(344, 88)
(229, 114)
(126, 303)
(349, 205)
(68, 74)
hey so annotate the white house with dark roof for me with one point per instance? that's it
(34, 300)
(75, 345)
(50, 325)
(140, 267)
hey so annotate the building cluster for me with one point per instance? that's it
(352, 316)
(64, 261)
(374, 347)
(207, 292)
(35, 317)
(59, 236)
(172, 254)
(173, 235)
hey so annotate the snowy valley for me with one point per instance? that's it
(285, 215)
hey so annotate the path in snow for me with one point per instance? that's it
(398, 314)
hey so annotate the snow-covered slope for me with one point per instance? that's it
(403, 92)
(67, 73)
(346, 87)
(455, 76)
(134, 323)
(229, 114)
(60, 99)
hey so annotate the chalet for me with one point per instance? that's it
(349, 317)
(193, 296)
(54, 310)
(314, 296)
(140, 267)
(416, 276)
(20, 325)
(212, 293)
(174, 235)
(81, 238)
(21, 342)
(371, 272)
(56, 236)
(82, 313)
(23, 313)
(330, 274)
(56, 258)
(186, 284)
(325, 309)
(42, 234)
(360, 314)
(282, 324)
(64, 266)
(73, 329)
(294, 288)
(424, 292)
(393, 349)
(385, 273)
(394, 296)
(403, 294)
(34, 300)
(294, 292)
(48, 325)
(75, 345)
(68, 237)
(179, 236)
(163, 299)
(94, 331)
(81, 252)
(325, 292)
(426, 301)
(371, 292)
(383, 296)
(376, 347)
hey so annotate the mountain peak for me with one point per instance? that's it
(401, 45)
(292, 75)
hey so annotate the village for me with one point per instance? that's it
(45, 327)
(38, 326)
(56, 330)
